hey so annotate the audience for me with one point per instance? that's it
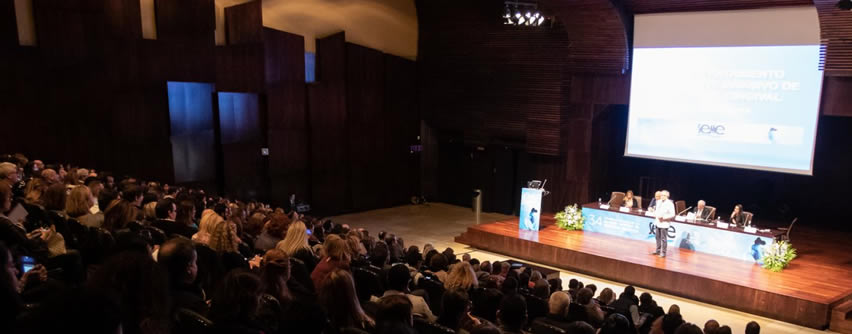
(120, 254)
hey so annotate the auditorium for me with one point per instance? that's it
(425, 166)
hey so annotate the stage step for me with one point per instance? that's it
(841, 318)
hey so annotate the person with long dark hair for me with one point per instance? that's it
(337, 296)
(235, 304)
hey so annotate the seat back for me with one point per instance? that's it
(435, 290)
(540, 326)
(637, 202)
(190, 322)
(712, 211)
(616, 198)
(366, 283)
(748, 218)
(423, 326)
(680, 206)
(536, 307)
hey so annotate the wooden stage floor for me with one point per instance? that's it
(804, 293)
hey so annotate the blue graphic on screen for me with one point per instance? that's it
(742, 246)
(749, 107)
(530, 209)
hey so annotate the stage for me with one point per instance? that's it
(805, 293)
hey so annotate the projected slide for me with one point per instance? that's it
(749, 107)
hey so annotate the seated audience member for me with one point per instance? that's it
(555, 284)
(668, 323)
(414, 261)
(336, 256)
(541, 289)
(438, 266)
(119, 215)
(296, 245)
(276, 298)
(710, 326)
(455, 311)
(580, 327)
(592, 287)
(752, 328)
(557, 306)
(394, 315)
(738, 217)
(235, 304)
(398, 279)
(166, 212)
(723, 330)
(593, 313)
(336, 294)
(616, 324)
(186, 215)
(179, 258)
(205, 226)
(78, 206)
(649, 311)
(626, 305)
(573, 287)
(510, 286)
(15, 235)
(512, 314)
(224, 241)
(701, 211)
(688, 328)
(486, 304)
(628, 201)
(606, 297)
(140, 286)
(273, 232)
(11, 304)
(461, 276)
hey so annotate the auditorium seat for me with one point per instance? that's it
(748, 217)
(539, 326)
(536, 307)
(367, 283)
(425, 327)
(435, 289)
(190, 322)
(637, 202)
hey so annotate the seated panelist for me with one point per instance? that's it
(702, 212)
(653, 205)
(628, 201)
(738, 217)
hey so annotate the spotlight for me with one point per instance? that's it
(524, 14)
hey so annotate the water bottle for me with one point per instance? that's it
(599, 201)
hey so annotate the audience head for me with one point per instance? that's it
(607, 296)
(671, 322)
(558, 303)
(238, 297)
(79, 202)
(336, 249)
(674, 309)
(723, 330)
(645, 298)
(277, 225)
(438, 262)
(166, 209)
(8, 172)
(752, 328)
(461, 276)
(118, 214)
(513, 312)
(54, 197)
(688, 328)
(223, 236)
(50, 176)
(274, 273)
(541, 289)
(179, 258)
(336, 294)
(295, 240)
(454, 305)
(398, 278)
(573, 284)
(379, 255)
(616, 323)
(34, 191)
(710, 326)
(584, 296)
(393, 314)
(413, 258)
(510, 286)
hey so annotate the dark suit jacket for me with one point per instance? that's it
(703, 214)
(653, 204)
(171, 227)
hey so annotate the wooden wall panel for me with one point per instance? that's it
(186, 20)
(327, 109)
(244, 23)
(367, 143)
(8, 25)
(239, 68)
(661, 6)
(835, 96)
(403, 115)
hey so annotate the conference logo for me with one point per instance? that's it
(713, 130)
(670, 233)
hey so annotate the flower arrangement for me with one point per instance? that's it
(570, 219)
(778, 256)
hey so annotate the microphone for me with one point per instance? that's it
(684, 210)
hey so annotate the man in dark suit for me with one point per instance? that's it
(166, 212)
(701, 211)
(653, 205)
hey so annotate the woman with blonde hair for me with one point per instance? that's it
(205, 227)
(78, 204)
(295, 240)
(462, 277)
(224, 241)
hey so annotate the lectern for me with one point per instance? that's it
(530, 209)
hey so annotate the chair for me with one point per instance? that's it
(748, 217)
(616, 198)
(366, 283)
(425, 327)
(712, 212)
(637, 202)
(435, 289)
(536, 307)
(784, 232)
(539, 326)
(680, 206)
(187, 321)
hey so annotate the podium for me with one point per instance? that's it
(530, 209)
